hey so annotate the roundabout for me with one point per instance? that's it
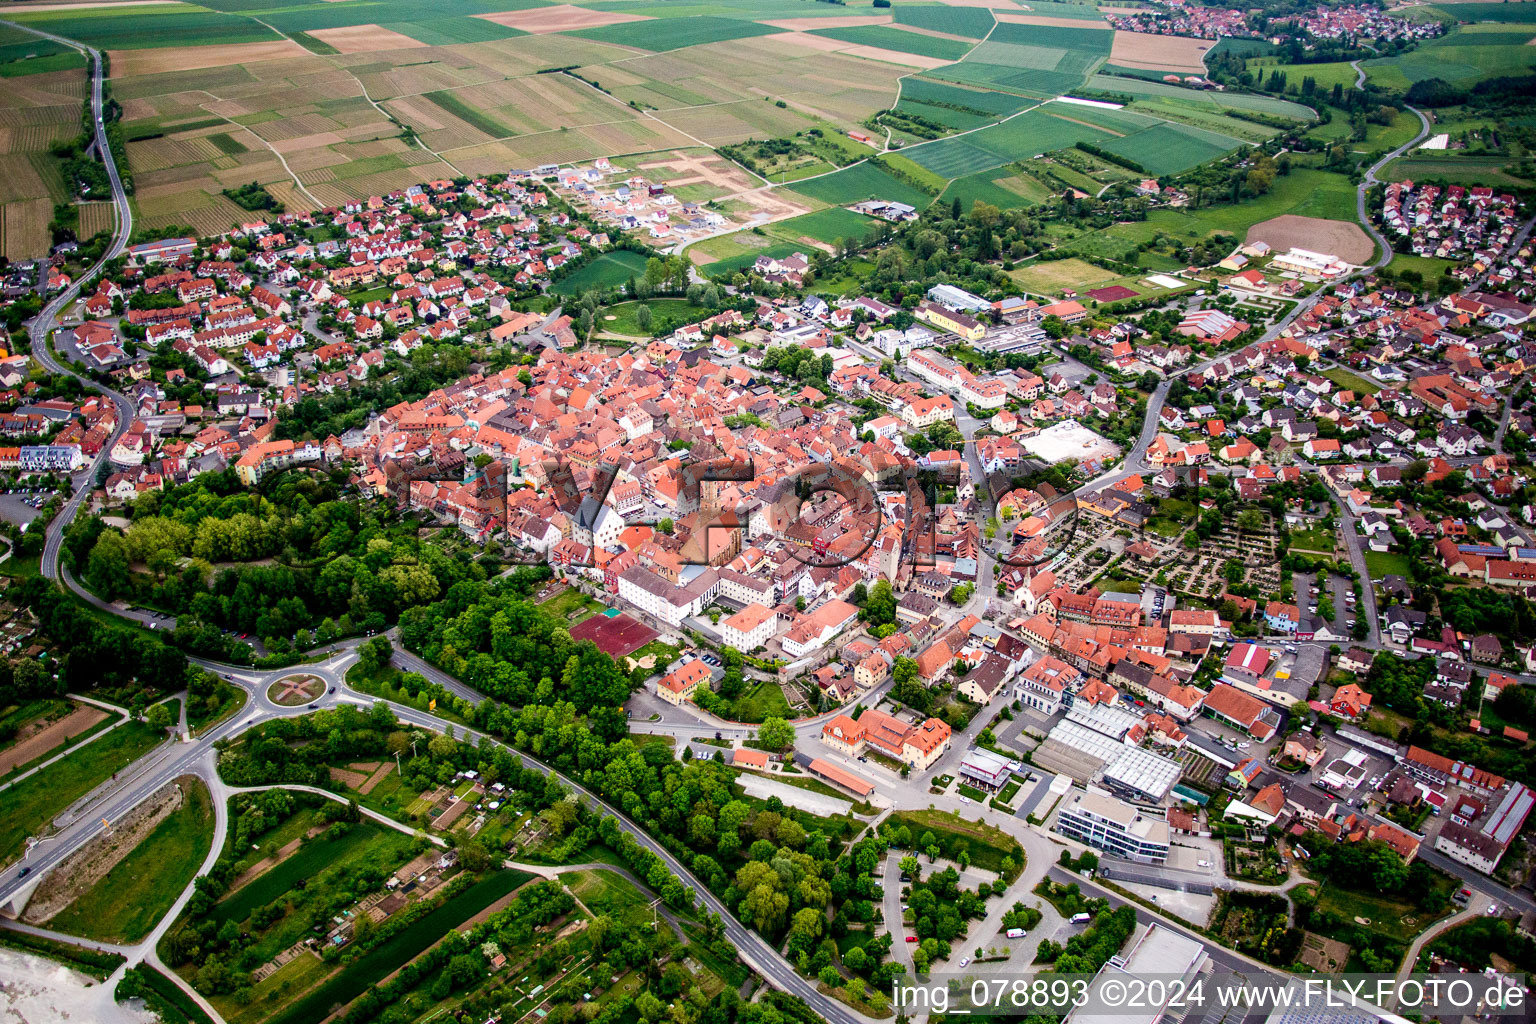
(294, 691)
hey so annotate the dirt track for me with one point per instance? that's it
(37, 738)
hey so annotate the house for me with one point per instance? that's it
(1242, 711)
(680, 684)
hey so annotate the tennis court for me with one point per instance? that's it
(615, 635)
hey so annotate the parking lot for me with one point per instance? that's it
(1340, 591)
(21, 507)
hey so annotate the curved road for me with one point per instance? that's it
(43, 324)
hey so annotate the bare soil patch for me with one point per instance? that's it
(379, 775)
(126, 63)
(690, 170)
(86, 866)
(365, 39)
(828, 45)
(1160, 53)
(841, 21)
(1049, 22)
(559, 18)
(1344, 239)
(37, 738)
(352, 780)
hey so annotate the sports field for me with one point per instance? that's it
(615, 636)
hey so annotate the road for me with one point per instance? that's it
(43, 324)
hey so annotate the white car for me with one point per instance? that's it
(1244, 746)
(1493, 908)
(965, 799)
(964, 960)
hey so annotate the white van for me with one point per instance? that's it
(1015, 933)
(1081, 918)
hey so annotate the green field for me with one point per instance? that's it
(830, 225)
(377, 963)
(1464, 56)
(675, 33)
(120, 27)
(888, 38)
(765, 700)
(1223, 100)
(1386, 563)
(1455, 169)
(1029, 134)
(36, 800)
(1170, 148)
(1429, 268)
(861, 181)
(972, 22)
(1305, 192)
(1051, 276)
(1352, 381)
(625, 314)
(470, 115)
(129, 900)
(609, 270)
(957, 107)
(1000, 189)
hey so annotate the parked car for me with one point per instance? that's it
(911, 938)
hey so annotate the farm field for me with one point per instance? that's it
(1227, 101)
(1465, 55)
(36, 110)
(1345, 239)
(859, 182)
(888, 38)
(997, 188)
(127, 902)
(971, 22)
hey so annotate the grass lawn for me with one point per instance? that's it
(765, 700)
(971, 792)
(292, 979)
(1319, 540)
(625, 315)
(1386, 563)
(605, 892)
(1353, 381)
(987, 844)
(570, 605)
(1050, 277)
(608, 270)
(1430, 268)
(125, 904)
(1392, 918)
(1386, 722)
(34, 802)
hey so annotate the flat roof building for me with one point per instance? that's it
(1114, 827)
(985, 767)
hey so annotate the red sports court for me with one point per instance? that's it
(615, 635)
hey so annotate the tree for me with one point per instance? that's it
(159, 717)
(643, 318)
(775, 734)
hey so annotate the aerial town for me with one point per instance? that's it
(470, 601)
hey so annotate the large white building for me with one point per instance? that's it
(750, 628)
(1115, 827)
(664, 600)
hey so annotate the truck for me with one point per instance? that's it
(1081, 918)
(1015, 933)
